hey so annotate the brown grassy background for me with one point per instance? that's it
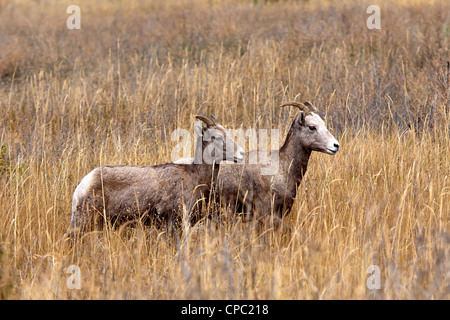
(113, 92)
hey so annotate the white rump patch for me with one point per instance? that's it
(82, 189)
(184, 161)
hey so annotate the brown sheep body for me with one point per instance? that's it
(161, 192)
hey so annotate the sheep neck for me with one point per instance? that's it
(198, 152)
(294, 158)
(208, 171)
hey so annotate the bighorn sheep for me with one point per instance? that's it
(159, 192)
(242, 186)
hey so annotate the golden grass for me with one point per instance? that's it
(113, 92)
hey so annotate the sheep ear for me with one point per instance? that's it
(301, 118)
(213, 118)
(198, 129)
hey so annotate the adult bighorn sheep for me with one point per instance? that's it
(243, 187)
(161, 192)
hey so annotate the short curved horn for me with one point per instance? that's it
(207, 121)
(310, 106)
(300, 106)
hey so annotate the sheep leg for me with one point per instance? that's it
(247, 205)
(79, 223)
(83, 218)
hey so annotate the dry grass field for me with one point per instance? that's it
(114, 91)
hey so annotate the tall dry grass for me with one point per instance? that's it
(113, 92)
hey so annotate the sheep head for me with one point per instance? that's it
(217, 144)
(310, 130)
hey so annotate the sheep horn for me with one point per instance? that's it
(207, 121)
(300, 106)
(310, 106)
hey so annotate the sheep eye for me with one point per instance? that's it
(312, 128)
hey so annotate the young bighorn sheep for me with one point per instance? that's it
(161, 192)
(242, 186)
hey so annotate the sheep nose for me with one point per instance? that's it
(336, 145)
